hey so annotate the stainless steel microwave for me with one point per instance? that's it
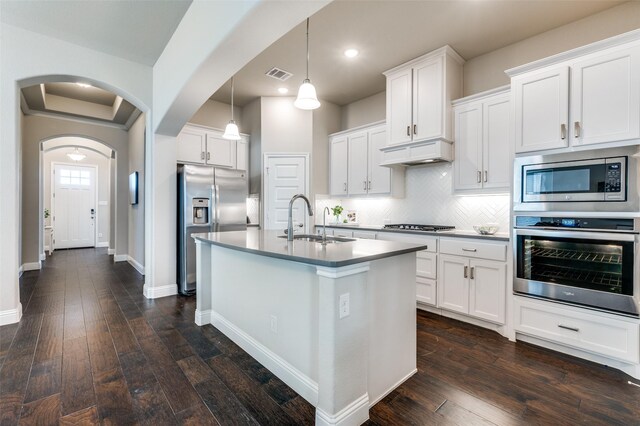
(598, 180)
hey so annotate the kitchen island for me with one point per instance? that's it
(336, 322)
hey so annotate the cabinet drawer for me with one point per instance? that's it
(367, 235)
(342, 233)
(430, 242)
(426, 291)
(474, 249)
(426, 264)
(593, 332)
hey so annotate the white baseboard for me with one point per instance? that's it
(120, 257)
(138, 267)
(11, 316)
(392, 388)
(31, 266)
(43, 256)
(160, 291)
(353, 414)
(304, 385)
(203, 317)
(111, 252)
(103, 244)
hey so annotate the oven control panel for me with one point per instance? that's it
(575, 223)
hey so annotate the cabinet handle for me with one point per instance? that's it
(345, 187)
(365, 185)
(208, 156)
(566, 327)
(415, 129)
(485, 175)
(408, 130)
(472, 272)
(466, 271)
(202, 155)
(469, 249)
(563, 131)
(369, 185)
(479, 176)
(576, 129)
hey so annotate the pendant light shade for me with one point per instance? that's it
(76, 155)
(231, 131)
(307, 98)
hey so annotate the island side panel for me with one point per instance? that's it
(203, 283)
(392, 318)
(249, 292)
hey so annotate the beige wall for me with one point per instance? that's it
(38, 129)
(136, 212)
(487, 71)
(252, 125)
(326, 120)
(217, 114)
(364, 111)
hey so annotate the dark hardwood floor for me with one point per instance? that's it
(91, 349)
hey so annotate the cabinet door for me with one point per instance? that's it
(338, 166)
(428, 80)
(605, 98)
(221, 152)
(541, 109)
(487, 287)
(453, 283)
(496, 141)
(191, 146)
(399, 107)
(468, 146)
(358, 180)
(426, 264)
(426, 291)
(379, 177)
(242, 153)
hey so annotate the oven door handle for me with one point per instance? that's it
(583, 235)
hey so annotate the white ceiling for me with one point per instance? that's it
(136, 30)
(391, 32)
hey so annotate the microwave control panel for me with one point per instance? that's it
(613, 180)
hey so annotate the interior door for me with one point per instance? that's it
(74, 206)
(286, 176)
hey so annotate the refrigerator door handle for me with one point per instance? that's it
(215, 202)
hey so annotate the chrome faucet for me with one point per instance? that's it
(325, 212)
(290, 219)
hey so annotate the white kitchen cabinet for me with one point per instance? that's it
(338, 166)
(590, 95)
(399, 117)
(472, 278)
(204, 145)
(483, 150)
(355, 158)
(366, 235)
(426, 291)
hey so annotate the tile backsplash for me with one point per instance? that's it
(428, 199)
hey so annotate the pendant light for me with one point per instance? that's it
(231, 131)
(76, 155)
(307, 98)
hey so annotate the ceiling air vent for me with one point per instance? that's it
(279, 74)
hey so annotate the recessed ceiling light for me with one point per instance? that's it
(283, 90)
(351, 53)
(84, 85)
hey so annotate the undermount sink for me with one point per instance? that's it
(318, 238)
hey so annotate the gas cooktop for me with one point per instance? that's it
(425, 228)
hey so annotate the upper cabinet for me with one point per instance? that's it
(419, 116)
(204, 145)
(355, 164)
(586, 96)
(482, 148)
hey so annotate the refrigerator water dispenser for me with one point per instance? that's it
(200, 211)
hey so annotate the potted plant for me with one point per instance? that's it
(337, 211)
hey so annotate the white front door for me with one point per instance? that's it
(285, 176)
(74, 206)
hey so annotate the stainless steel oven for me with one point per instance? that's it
(583, 261)
(596, 180)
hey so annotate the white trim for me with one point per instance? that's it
(501, 329)
(362, 127)
(43, 256)
(111, 252)
(138, 267)
(343, 271)
(444, 50)
(203, 317)
(151, 292)
(120, 257)
(392, 388)
(209, 128)
(11, 316)
(298, 381)
(103, 244)
(354, 414)
(478, 96)
(31, 266)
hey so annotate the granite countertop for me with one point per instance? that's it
(499, 236)
(333, 255)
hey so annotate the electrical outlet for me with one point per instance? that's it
(344, 305)
(99, 234)
(274, 324)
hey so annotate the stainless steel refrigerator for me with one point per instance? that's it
(209, 200)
